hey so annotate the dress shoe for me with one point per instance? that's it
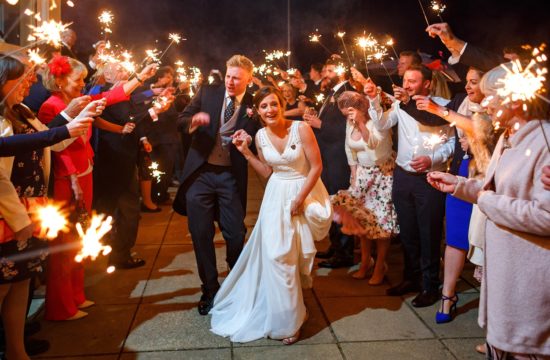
(205, 304)
(131, 263)
(149, 210)
(86, 304)
(79, 315)
(36, 346)
(335, 263)
(325, 254)
(426, 298)
(406, 286)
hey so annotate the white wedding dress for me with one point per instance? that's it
(262, 295)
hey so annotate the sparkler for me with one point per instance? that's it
(35, 58)
(316, 38)
(48, 32)
(90, 240)
(379, 55)
(432, 141)
(320, 98)
(156, 173)
(70, 3)
(341, 34)
(423, 12)
(174, 38)
(52, 220)
(438, 8)
(106, 19)
(390, 43)
(366, 42)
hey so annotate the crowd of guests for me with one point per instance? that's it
(487, 190)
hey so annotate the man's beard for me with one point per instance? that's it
(332, 82)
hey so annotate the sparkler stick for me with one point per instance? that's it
(390, 44)
(341, 36)
(380, 57)
(175, 38)
(423, 12)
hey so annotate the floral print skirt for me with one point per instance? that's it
(20, 260)
(367, 209)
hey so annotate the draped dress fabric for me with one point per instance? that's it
(262, 295)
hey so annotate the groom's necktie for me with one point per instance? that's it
(229, 109)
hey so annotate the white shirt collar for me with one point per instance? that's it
(337, 87)
(239, 98)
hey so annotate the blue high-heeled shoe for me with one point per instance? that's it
(440, 316)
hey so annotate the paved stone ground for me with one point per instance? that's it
(150, 312)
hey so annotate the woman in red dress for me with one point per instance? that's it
(64, 78)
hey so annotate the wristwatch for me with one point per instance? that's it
(445, 112)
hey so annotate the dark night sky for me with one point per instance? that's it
(216, 29)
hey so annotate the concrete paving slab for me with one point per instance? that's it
(373, 318)
(296, 351)
(464, 349)
(465, 323)
(397, 350)
(210, 354)
(101, 332)
(171, 327)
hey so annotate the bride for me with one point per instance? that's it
(262, 295)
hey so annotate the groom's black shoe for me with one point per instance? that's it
(205, 304)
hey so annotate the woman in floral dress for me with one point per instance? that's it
(366, 209)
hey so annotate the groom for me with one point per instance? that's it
(215, 173)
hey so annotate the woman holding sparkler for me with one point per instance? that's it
(366, 209)
(21, 251)
(64, 77)
(514, 297)
(479, 143)
(262, 295)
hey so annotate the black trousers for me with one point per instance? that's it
(213, 196)
(341, 244)
(125, 210)
(420, 210)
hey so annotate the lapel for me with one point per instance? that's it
(333, 99)
(245, 104)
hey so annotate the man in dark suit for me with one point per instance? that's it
(215, 173)
(330, 130)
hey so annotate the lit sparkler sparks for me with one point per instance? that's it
(438, 8)
(90, 240)
(174, 39)
(366, 43)
(390, 43)
(70, 3)
(316, 38)
(155, 172)
(106, 18)
(521, 84)
(35, 58)
(152, 54)
(320, 98)
(340, 70)
(379, 55)
(52, 220)
(48, 32)
(432, 142)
